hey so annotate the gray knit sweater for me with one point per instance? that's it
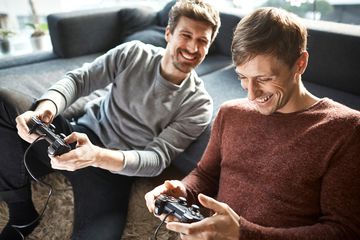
(150, 119)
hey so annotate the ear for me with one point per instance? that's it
(167, 34)
(302, 62)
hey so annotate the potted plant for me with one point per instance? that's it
(37, 36)
(4, 39)
(39, 29)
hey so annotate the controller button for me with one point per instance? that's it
(182, 201)
(62, 135)
(195, 208)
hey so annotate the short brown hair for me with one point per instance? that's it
(196, 10)
(270, 31)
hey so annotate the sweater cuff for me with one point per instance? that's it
(131, 163)
(57, 98)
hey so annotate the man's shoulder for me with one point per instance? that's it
(338, 110)
(339, 115)
(239, 104)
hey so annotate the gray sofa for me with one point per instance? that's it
(79, 37)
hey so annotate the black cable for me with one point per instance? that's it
(162, 222)
(17, 227)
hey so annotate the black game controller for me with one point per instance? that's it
(177, 207)
(57, 144)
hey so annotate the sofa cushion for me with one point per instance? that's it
(163, 15)
(85, 32)
(133, 20)
(222, 43)
(15, 61)
(78, 33)
(212, 63)
(154, 35)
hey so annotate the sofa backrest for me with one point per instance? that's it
(79, 33)
(334, 60)
(92, 31)
(222, 43)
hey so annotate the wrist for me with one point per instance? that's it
(111, 160)
(47, 105)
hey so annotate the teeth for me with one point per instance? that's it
(187, 56)
(263, 99)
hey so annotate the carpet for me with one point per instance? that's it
(56, 223)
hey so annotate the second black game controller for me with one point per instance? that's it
(177, 207)
(57, 144)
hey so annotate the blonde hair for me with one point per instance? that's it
(269, 31)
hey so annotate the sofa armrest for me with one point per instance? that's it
(92, 31)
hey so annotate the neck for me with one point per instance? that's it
(305, 99)
(169, 72)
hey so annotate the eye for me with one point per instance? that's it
(241, 78)
(264, 79)
(204, 41)
(187, 36)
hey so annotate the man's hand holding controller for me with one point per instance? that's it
(85, 153)
(45, 112)
(224, 224)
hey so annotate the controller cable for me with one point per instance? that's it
(158, 227)
(17, 227)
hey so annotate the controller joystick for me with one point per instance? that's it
(57, 144)
(178, 208)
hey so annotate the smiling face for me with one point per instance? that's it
(186, 49)
(272, 85)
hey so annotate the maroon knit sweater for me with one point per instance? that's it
(288, 176)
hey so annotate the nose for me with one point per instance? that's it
(192, 46)
(252, 89)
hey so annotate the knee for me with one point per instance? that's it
(13, 103)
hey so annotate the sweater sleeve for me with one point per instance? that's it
(339, 200)
(88, 78)
(205, 177)
(172, 140)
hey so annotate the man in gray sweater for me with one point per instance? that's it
(156, 107)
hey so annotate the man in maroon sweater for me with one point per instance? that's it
(281, 164)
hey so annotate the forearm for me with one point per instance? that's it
(145, 163)
(108, 159)
(84, 80)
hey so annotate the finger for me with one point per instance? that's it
(211, 203)
(152, 195)
(21, 124)
(175, 188)
(80, 138)
(46, 117)
(178, 227)
(71, 165)
(73, 137)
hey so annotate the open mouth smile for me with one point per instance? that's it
(263, 99)
(187, 56)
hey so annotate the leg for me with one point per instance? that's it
(101, 201)
(15, 188)
(14, 181)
